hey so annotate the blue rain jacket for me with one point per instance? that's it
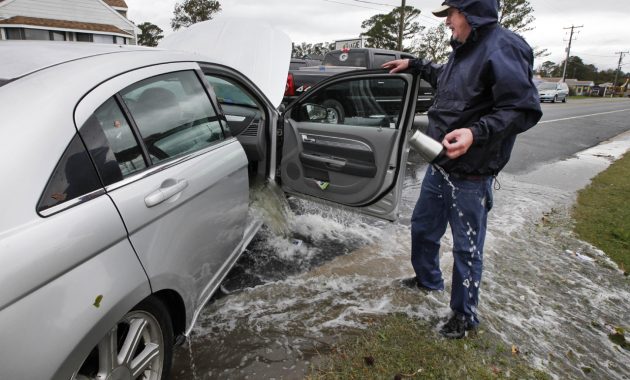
(486, 86)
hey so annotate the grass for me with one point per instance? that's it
(397, 347)
(602, 212)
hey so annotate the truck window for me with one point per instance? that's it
(350, 58)
(379, 59)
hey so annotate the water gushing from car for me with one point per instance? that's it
(538, 294)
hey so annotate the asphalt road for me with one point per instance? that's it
(568, 128)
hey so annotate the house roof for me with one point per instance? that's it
(113, 3)
(62, 24)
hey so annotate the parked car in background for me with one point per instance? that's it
(127, 176)
(553, 91)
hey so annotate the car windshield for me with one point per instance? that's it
(547, 86)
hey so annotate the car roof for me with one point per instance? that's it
(31, 56)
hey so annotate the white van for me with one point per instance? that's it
(553, 92)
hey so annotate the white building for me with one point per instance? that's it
(102, 21)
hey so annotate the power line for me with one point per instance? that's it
(353, 5)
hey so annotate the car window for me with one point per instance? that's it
(173, 114)
(374, 102)
(379, 59)
(108, 129)
(547, 86)
(73, 177)
(229, 93)
(343, 58)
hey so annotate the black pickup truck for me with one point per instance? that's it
(301, 79)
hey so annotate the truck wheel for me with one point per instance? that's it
(334, 111)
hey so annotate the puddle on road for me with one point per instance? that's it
(553, 296)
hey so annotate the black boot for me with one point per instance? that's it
(456, 327)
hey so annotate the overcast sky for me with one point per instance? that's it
(604, 32)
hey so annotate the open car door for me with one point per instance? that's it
(345, 141)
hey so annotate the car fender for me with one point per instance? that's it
(79, 308)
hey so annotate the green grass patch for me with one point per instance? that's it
(397, 347)
(602, 212)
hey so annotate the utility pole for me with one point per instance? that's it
(564, 72)
(401, 27)
(621, 53)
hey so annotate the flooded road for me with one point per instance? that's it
(327, 273)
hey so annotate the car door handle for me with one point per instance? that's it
(307, 139)
(335, 162)
(165, 192)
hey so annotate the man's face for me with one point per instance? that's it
(457, 23)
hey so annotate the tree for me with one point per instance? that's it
(193, 11)
(434, 44)
(547, 69)
(516, 15)
(150, 34)
(306, 50)
(382, 29)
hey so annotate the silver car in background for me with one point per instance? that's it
(126, 174)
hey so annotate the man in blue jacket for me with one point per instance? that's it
(484, 97)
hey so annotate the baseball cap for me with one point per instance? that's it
(442, 11)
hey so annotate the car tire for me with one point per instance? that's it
(144, 337)
(555, 99)
(564, 100)
(334, 111)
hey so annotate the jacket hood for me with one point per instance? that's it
(479, 13)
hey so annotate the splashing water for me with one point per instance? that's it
(556, 308)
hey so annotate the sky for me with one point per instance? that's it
(604, 23)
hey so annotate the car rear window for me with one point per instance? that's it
(350, 58)
(73, 177)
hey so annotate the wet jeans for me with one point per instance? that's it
(464, 205)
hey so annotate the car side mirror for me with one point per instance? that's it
(315, 112)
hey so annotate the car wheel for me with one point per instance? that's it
(555, 99)
(139, 346)
(564, 100)
(334, 111)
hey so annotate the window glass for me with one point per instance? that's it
(108, 131)
(229, 93)
(119, 40)
(374, 102)
(73, 177)
(36, 34)
(174, 114)
(379, 59)
(14, 33)
(102, 39)
(84, 37)
(350, 58)
(57, 36)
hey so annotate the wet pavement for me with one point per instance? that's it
(328, 272)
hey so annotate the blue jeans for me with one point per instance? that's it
(464, 204)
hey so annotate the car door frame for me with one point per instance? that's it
(385, 205)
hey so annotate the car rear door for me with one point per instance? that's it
(345, 141)
(181, 183)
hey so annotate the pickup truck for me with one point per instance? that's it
(302, 79)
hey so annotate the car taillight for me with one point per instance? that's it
(289, 88)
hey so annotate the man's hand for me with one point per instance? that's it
(457, 142)
(396, 66)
